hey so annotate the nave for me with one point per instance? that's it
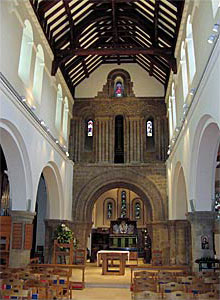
(140, 282)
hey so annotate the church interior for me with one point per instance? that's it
(110, 149)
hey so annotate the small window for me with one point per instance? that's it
(190, 50)
(59, 107)
(38, 74)
(65, 118)
(109, 210)
(26, 52)
(90, 128)
(123, 205)
(150, 134)
(149, 128)
(118, 89)
(170, 117)
(89, 132)
(184, 72)
(137, 210)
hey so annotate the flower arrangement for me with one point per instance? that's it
(63, 234)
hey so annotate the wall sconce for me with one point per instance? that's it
(23, 99)
(192, 91)
(216, 27)
(212, 38)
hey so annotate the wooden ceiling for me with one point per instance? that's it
(84, 34)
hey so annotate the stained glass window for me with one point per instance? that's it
(90, 128)
(118, 89)
(149, 128)
(109, 210)
(137, 210)
(123, 205)
(217, 204)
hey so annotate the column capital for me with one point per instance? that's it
(21, 215)
(201, 216)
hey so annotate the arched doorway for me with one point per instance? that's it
(47, 207)
(38, 244)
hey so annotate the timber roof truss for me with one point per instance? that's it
(84, 34)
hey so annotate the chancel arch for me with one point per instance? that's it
(142, 186)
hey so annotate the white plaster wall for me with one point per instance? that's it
(204, 110)
(143, 84)
(41, 152)
(13, 15)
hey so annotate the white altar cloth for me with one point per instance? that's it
(109, 251)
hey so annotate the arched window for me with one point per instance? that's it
(123, 213)
(38, 73)
(137, 210)
(26, 52)
(90, 128)
(184, 72)
(65, 118)
(173, 98)
(118, 87)
(215, 6)
(170, 116)
(89, 132)
(190, 50)
(109, 211)
(149, 128)
(59, 107)
(150, 134)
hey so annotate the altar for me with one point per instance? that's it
(101, 252)
(107, 258)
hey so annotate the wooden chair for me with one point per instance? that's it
(13, 283)
(177, 295)
(18, 293)
(146, 295)
(79, 256)
(210, 295)
(37, 287)
(4, 250)
(62, 251)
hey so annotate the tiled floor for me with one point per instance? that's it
(103, 287)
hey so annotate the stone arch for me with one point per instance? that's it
(179, 197)
(54, 190)
(203, 163)
(18, 163)
(141, 185)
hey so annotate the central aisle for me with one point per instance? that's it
(103, 287)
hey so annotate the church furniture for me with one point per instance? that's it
(101, 252)
(107, 257)
(5, 233)
(63, 252)
(79, 256)
(211, 264)
(68, 267)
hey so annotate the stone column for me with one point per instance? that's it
(21, 238)
(202, 225)
(172, 242)
(81, 231)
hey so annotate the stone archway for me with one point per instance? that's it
(86, 196)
